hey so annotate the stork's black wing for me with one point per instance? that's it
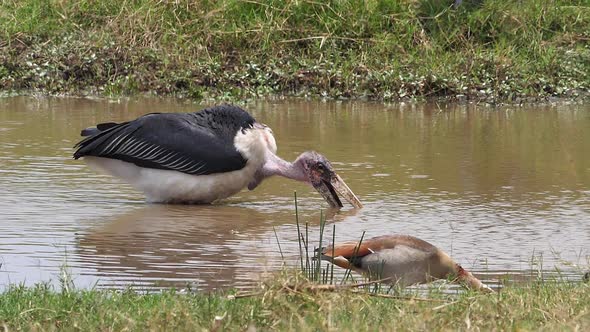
(193, 143)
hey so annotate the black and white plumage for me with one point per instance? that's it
(160, 141)
(200, 157)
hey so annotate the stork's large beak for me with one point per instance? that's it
(336, 186)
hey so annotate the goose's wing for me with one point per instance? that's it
(353, 249)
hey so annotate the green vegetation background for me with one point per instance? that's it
(493, 50)
(545, 306)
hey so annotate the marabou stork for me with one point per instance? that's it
(401, 260)
(201, 157)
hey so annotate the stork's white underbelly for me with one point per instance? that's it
(167, 186)
(164, 186)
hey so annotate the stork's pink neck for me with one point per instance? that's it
(276, 166)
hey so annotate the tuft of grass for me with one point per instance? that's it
(490, 50)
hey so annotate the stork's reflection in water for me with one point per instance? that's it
(208, 247)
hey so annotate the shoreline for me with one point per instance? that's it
(493, 52)
(581, 98)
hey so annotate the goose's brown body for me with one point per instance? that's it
(401, 259)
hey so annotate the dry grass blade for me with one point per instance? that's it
(217, 322)
(398, 297)
(243, 295)
(308, 287)
(330, 288)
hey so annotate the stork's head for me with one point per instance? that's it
(323, 178)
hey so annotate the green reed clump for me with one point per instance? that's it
(310, 253)
(385, 50)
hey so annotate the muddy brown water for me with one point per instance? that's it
(505, 190)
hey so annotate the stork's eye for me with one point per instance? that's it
(320, 167)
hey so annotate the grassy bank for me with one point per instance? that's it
(549, 306)
(491, 50)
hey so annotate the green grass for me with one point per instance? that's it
(386, 50)
(547, 306)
